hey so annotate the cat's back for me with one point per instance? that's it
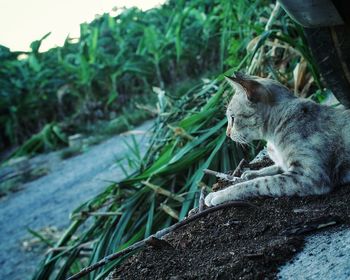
(320, 128)
(337, 125)
(317, 125)
(310, 118)
(343, 125)
(327, 118)
(333, 121)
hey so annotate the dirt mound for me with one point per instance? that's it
(239, 243)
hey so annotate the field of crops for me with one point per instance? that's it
(112, 66)
(175, 55)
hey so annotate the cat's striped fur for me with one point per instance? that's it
(309, 143)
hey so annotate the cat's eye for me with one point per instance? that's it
(232, 119)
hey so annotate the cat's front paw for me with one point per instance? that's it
(248, 175)
(215, 198)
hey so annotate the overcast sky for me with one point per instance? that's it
(23, 21)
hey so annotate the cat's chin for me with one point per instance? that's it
(239, 141)
(234, 139)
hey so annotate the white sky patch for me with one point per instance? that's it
(24, 21)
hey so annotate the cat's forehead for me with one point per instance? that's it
(238, 103)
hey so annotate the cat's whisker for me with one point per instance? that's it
(242, 140)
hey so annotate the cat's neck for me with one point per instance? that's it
(277, 117)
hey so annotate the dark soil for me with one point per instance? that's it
(240, 243)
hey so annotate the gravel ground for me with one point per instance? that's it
(325, 256)
(48, 200)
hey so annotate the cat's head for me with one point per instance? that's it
(250, 106)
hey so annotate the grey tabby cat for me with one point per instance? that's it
(309, 143)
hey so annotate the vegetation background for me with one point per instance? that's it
(167, 63)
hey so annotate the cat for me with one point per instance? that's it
(309, 143)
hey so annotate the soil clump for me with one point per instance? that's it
(240, 243)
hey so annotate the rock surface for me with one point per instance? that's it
(325, 256)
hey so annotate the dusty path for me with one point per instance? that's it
(49, 200)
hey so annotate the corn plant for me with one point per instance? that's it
(114, 59)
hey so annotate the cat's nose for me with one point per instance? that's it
(228, 131)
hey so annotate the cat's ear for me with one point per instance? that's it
(255, 91)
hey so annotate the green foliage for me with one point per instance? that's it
(115, 59)
(189, 133)
(49, 137)
(193, 143)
